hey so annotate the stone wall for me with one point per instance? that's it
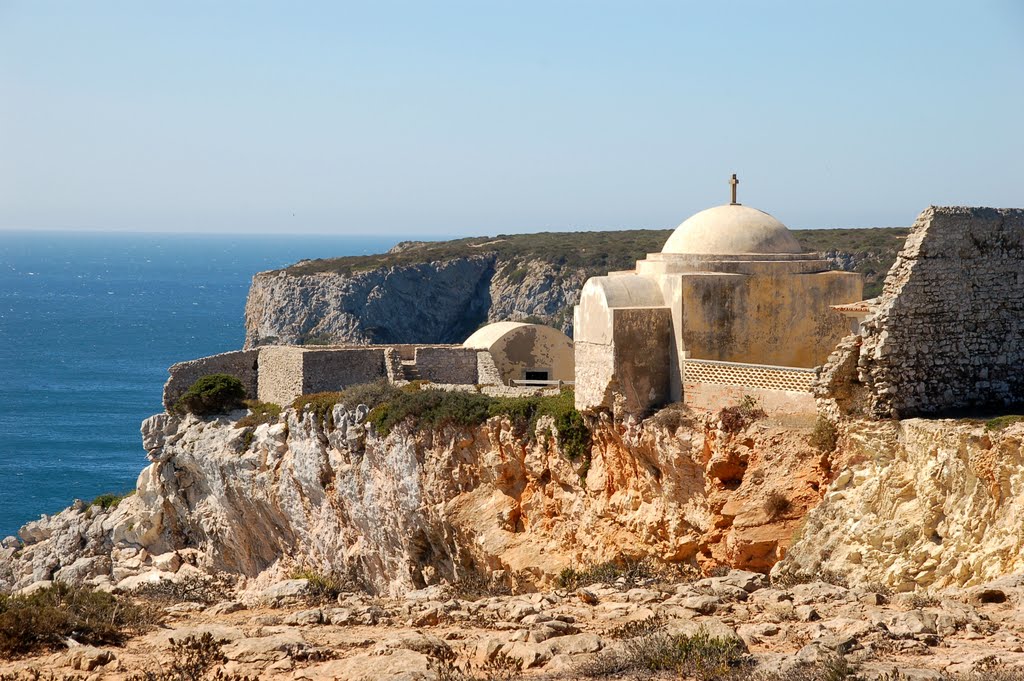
(486, 370)
(280, 374)
(447, 364)
(337, 369)
(948, 331)
(242, 364)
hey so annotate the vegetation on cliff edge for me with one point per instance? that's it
(212, 394)
(870, 251)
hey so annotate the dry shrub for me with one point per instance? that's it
(500, 668)
(46, 619)
(259, 413)
(777, 504)
(673, 417)
(736, 418)
(825, 436)
(634, 571)
(192, 659)
(637, 628)
(700, 657)
(826, 576)
(836, 669)
(326, 587)
(206, 589)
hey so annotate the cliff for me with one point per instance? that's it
(419, 507)
(440, 292)
(922, 504)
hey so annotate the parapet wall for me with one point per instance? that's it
(337, 369)
(947, 332)
(447, 364)
(242, 364)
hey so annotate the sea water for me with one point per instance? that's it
(89, 323)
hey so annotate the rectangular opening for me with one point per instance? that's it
(535, 375)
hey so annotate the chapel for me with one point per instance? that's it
(731, 292)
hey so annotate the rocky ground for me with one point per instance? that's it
(814, 630)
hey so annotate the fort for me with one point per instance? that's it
(731, 308)
(493, 359)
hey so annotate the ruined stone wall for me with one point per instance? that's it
(337, 369)
(240, 364)
(447, 364)
(948, 331)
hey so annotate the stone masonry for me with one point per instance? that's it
(947, 332)
(279, 374)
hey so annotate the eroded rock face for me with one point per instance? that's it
(419, 507)
(429, 302)
(922, 503)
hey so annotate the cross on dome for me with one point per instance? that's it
(733, 181)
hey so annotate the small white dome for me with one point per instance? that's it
(732, 229)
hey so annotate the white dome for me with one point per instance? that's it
(731, 230)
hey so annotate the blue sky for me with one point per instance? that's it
(484, 117)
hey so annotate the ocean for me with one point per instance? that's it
(89, 323)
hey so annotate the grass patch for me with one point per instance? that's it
(1002, 422)
(434, 408)
(46, 619)
(259, 413)
(430, 409)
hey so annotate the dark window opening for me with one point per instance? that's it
(536, 376)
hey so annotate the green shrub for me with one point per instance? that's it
(212, 394)
(431, 408)
(573, 432)
(108, 501)
(370, 394)
(47, 618)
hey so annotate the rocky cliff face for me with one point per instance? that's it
(911, 504)
(920, 504)
(431, 302)
(416, 508)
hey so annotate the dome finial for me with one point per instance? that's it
(733, 181)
